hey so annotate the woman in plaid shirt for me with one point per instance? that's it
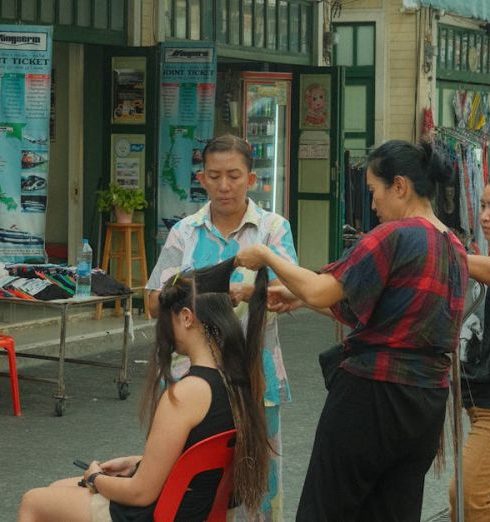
(401, 290)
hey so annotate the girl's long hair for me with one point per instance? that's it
(239, 360)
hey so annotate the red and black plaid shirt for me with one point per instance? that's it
(404, 285)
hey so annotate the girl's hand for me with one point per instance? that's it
(123, 466)
(253, 257)
(93, 468)
(280, 299)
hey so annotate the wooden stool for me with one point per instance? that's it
(125, 257)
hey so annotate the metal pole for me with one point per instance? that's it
(99, 240)
(458, 437)
(457, 411)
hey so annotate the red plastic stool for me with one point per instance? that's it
(8, 343)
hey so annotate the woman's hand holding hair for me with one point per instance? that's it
(315, 290)
(253, 257)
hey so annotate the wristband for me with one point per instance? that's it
(90, 481)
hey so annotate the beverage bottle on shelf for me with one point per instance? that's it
(269, 107)
(269, 151)
(270, 127)
(84, 270)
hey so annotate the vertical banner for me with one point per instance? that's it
(187, 94)
(25, 92)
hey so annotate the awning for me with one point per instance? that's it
(479, 9)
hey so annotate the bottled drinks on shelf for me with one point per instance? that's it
(266, 126)
(261, 128)
(84, 270)
(263, 151)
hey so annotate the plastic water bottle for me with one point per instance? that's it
(84, 270)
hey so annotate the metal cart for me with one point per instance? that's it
(63, 305)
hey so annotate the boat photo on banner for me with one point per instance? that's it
(25, 84)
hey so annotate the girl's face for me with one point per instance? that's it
(485, 212)
(385, 203)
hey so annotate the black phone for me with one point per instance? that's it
(80, 464)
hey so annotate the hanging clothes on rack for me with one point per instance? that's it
(458, 205)
(358, 211)
(472, 110)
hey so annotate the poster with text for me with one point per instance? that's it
(128, 160)
(187, 95)
(25, 92)
(128, 88)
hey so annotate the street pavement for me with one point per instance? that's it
(38, 447)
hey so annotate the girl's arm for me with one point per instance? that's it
(479, 268)
(315, 290)
(174, 419)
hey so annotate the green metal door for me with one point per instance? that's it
(317, 182)
(130, 116)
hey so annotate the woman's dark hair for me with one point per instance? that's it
(419, 163)
(227, 143)
(239, 360)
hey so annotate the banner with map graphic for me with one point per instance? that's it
(25, 92)
(187, 94)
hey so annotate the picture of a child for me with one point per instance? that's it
(315, 98)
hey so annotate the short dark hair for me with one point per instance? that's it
(419, 163)
(227, 143)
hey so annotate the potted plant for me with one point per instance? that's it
(123, 200)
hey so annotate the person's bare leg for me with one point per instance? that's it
(55, 504)
(66, 482)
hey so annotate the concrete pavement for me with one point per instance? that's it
(38, 447)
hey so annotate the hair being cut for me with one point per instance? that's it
(239, 360)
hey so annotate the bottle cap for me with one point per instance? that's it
(84, 241)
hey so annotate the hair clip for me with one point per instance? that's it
(175, 278)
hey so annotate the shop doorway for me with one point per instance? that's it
(121, 120)
(317, 163)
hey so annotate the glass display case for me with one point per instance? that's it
(267, 123)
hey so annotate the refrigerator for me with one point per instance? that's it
(267, 124)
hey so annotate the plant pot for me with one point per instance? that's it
(122, 216)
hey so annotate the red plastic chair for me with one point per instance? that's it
(8, 343)
(215, 452)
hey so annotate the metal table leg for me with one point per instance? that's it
(122, 383)
(60, 395)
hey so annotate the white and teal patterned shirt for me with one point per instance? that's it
(194, 242)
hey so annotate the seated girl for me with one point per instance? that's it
(222, 390)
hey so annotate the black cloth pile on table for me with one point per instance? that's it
(46, 282)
